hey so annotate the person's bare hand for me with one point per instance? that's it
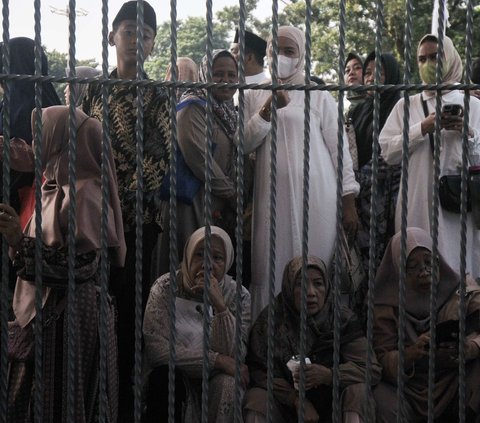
(315, 375)
(10, 225)
(216, 296)
(428, 124)
(418, 350)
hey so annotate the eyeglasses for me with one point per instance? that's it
(419, 268)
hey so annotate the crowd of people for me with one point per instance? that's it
(19, 220)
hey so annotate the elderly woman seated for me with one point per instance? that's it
(319, 350)
(189, 330)
(417, 335)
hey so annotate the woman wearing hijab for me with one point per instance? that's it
(22, 102)
(56, 203)
(388, 176)
(319, 349)
(417, 326)
(192, 128)
(189, 334)
(290, 158)
(420, 174)
(80, 89)
(187, 71)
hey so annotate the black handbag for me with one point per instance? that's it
(450, 187)
(449, 193)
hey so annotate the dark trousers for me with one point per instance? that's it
(122, 283)
(157, 396)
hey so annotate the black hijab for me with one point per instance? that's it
(22, 102)
(362, 117)
(22, 93)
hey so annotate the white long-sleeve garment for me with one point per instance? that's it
(420, 174)
(289, 184)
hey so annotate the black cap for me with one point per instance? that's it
(252, 41)
(128, 11)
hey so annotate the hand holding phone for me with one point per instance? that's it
(452, 117)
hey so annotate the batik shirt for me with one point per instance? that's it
(122, 101)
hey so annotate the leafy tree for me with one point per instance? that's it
(191, 42)
(57, 65)
(360, 28)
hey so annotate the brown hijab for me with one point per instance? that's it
(319, 336)
(56, 200)
(388, 276)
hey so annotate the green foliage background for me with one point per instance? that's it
(360, 31)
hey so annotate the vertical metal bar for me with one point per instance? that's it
(273, 215)
(238, 418)
(71, 241)
(434, 221)
(104, 270)
(6, 199)
(139, 219)
(173, 214)
(39, 386)
(306, 202)
(336, 409)
(208, 219)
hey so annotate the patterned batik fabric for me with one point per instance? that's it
(122, 103)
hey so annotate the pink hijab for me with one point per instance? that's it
(56, 200)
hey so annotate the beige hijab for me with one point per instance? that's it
(452, 63)
(197, 238)
(298, 37)
(56, 200)
(187, 70)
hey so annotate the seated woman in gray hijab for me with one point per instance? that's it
(319, 350)
(417, 336)
(189, 334)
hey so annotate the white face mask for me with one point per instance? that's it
(287, 66)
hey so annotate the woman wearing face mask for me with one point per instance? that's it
(290, 158)
(420, 174)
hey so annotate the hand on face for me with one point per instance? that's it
(197, 272)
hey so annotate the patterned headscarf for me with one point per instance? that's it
(224, 111)
(319, 336)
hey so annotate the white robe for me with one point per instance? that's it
(258, 78)
(420, 174)
(289, 185)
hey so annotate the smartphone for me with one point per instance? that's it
(452, 109)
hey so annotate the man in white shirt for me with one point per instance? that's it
(255, 51)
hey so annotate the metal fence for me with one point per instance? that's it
(407, 87)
